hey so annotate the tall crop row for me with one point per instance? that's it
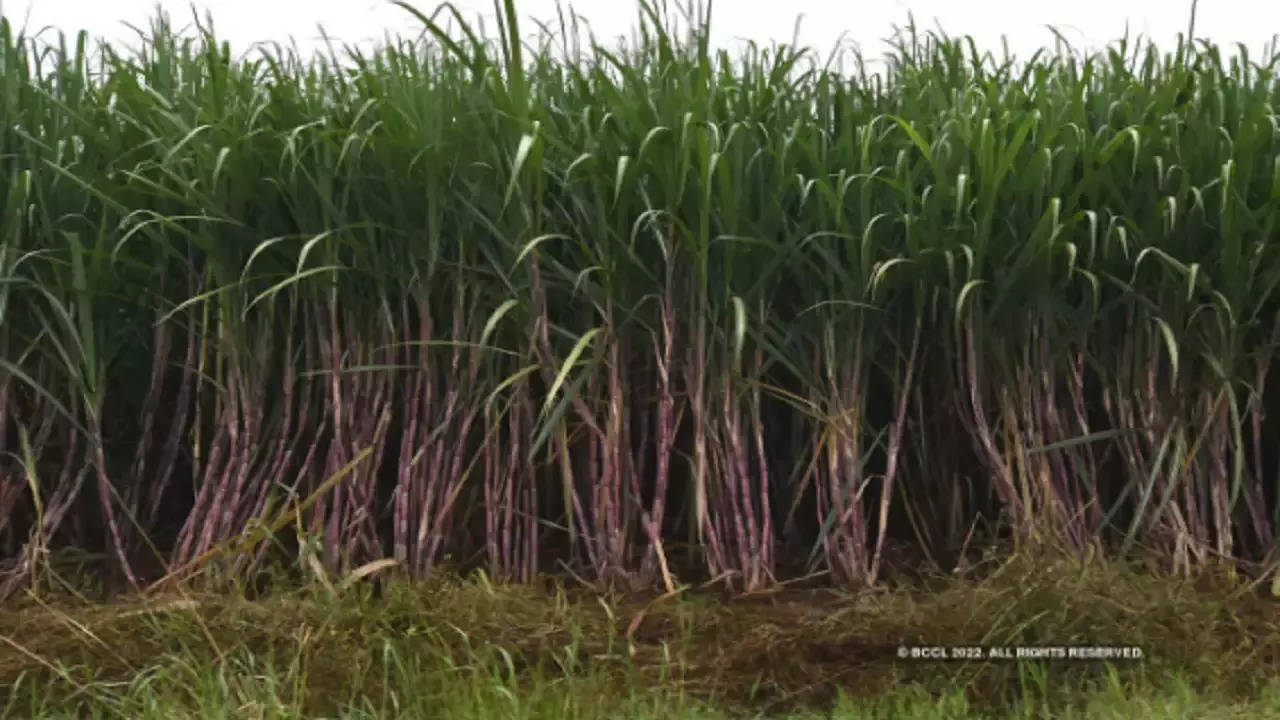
(641, 312)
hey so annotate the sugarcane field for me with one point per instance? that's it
(517, 372)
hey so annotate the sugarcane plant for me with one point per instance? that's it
(643, 313)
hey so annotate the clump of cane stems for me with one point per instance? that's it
(645, 313)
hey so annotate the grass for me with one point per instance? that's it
(454, 647)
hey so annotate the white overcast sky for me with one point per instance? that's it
(1087, 23)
